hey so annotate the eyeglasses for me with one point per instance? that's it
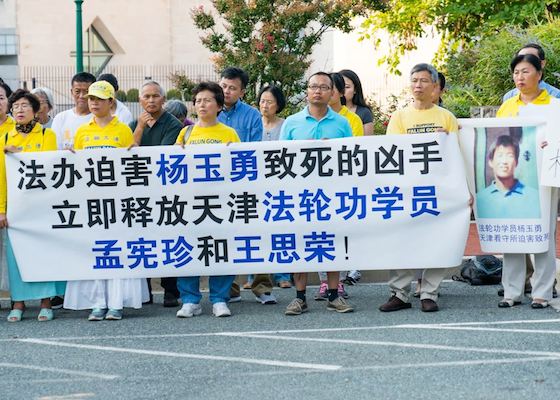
(267, 102)
(322, 88)
(23, 107)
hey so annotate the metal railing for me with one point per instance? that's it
(57, 78)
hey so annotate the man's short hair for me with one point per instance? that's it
(83, 77)
(321, 73)
(504, 141)
(425, 67)
(112, 79)
(211, 87)
(153, 83)
(538, 47)
(236, 73)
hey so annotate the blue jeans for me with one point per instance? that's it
(189, 288)
(282, 277)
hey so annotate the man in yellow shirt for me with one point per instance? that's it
(422, 116)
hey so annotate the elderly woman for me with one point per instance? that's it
(208, 99)
(45, 97)
(179, 110)
(527, 73)
(27, 135)
(271, 101)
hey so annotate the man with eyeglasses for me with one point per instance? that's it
(422, 116)
(317, 121)
(67, 122)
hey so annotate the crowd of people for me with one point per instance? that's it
(335, 108)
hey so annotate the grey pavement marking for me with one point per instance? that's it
(276, 363)
(481, 329)
(58, 370)
(405, 345)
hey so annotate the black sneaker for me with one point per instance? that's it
(169, 300)
(57, 302)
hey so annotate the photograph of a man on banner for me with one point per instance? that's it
(503, 160)
(506, 174)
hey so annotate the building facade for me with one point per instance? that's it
(150, 39)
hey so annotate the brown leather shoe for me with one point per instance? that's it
(285, 284)
(394, 304)
(428, 305)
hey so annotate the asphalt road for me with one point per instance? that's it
(471, 349)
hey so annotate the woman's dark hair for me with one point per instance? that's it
(278, 95)
(6, 88)
(530, 58)
(24, 94)
(338, 82)
(211, 87)
(441, 80)
(358, 98)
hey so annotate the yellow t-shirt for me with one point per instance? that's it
(218, 133)
(36, 140)
(510, 107)
(355, 121)
(411, 120)
(113, 135)
(7, 126)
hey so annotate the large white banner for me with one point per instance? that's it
(503, 161)
(550, 171)
(387, 202)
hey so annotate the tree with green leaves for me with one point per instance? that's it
(459, 22)
(271, 39)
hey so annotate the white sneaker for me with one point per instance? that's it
(189, 310)
(220, 310)
(266, 298)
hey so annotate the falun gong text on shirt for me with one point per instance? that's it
(367, 203)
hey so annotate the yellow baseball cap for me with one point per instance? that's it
(102, 90)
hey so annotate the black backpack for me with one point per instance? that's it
(483, 270)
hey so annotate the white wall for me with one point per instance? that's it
(149, 32)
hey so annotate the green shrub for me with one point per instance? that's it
(183, 84)
(120, 95)
(132, 95)
(174, 94)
